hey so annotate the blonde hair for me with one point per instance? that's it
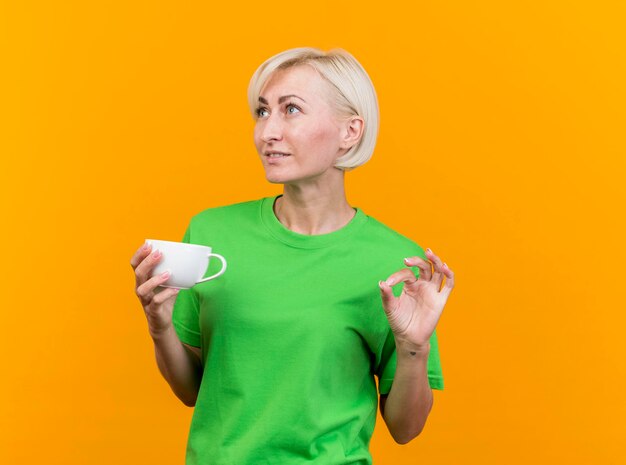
(352, 92)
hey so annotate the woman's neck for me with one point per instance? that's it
(313, 210)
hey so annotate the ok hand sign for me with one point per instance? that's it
(415, 313)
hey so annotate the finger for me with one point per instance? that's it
(438, 267)
(386, 293)
(404, 275)
(141, 253)
(145, 291)
(164, 295)
(143, 270)
(425, 267)
(449, 285)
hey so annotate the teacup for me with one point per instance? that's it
(187, 263)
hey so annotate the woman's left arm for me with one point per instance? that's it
(413, 317)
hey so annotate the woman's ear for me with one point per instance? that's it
(351, 132)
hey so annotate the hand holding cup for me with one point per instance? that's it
(156, 305)
(161, 269)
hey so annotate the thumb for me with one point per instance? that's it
(386, 293)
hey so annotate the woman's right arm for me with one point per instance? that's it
(180, 364)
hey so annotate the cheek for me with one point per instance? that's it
(324, 138)
(256, 135)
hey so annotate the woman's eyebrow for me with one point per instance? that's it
(281, 99)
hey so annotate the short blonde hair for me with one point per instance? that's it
(352, 89)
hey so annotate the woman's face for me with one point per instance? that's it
(297, 134)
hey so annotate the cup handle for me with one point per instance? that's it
(219, 273)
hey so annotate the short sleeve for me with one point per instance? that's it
(387, 366)
(185, 315)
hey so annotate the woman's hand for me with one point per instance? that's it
(414, 315)
(157, 304)
(180, 365)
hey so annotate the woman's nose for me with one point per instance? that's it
(272, 129)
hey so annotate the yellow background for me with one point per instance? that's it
(501, 148)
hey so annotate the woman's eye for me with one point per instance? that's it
(291, 109)
(261, 112)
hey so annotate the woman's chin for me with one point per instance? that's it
(277, 178)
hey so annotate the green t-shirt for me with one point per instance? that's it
(292, 337)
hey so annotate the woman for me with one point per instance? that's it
(280, 354)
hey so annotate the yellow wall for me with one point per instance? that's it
(501, 148)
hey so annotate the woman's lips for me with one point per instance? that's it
(276, 157)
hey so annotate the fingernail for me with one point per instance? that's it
(406, 259)
(380, 284)
(429, 250)
(165, 274)
(445, 264)
(156, 254)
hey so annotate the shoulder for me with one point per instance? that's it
(240, 209)
(225, 220)
(392, 239)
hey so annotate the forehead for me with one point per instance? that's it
(302, 80)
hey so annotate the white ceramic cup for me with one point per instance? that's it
(187, 263)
